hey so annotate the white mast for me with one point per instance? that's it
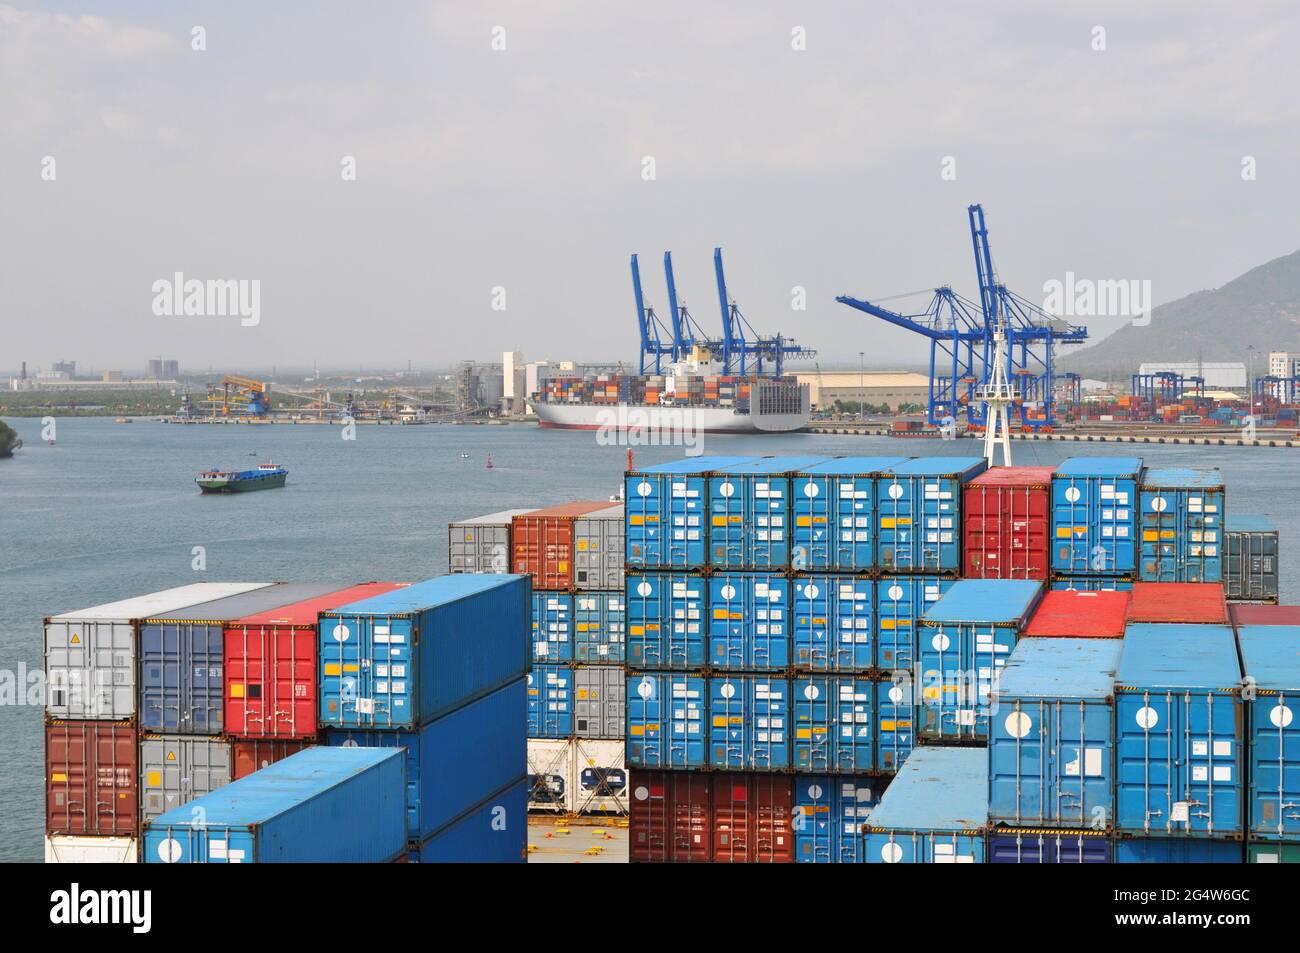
(998, 395)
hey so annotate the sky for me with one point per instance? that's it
(498, 192)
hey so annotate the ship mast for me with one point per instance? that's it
(997, 394)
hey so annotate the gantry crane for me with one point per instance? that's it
(744, 350)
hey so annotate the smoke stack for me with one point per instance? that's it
(24, 370)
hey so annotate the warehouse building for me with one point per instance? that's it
(1219, 375)
(873, 387)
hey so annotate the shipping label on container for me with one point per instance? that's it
(550, 701)
(90, 668)
(1181, 534)
(834, 724)
(1179, 755)
(956, 672)
(894, 721)
(599, 627)
(667, 620)
(901, 601)
(1049, 847)
(1094, 524)
(749, 521)
(830, 817)
(552, 627)
(833, 522)
(749, 723)
(666, 521)
(182, 677)
(834, 623)
(667, 721)
(367, 676)
(749, 621)
(671, 817)
(918, 519)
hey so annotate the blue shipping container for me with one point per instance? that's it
(830, 818)
(749, 723)
(182, 663)
(834, 724)
(963, 643)
(446, 770)
(895, 727)
(918, 508)
(550, 701)
(834, 625)
(552, 639)
(1094, 515)
(667, 721)
(403, 658)
(901, 601)
(1049, 847)
(1180, 524)
(934, 812)
(320, 805)
(1051, 742)
(1176, 850)
(833, 505)
(1179, 732)
(599, 627)
(666, 620)
(749, 621)
(667, 522)
(1272, 665)
(493, 832)
(1087, 583)
(749, 513)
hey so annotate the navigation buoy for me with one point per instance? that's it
(489, 462)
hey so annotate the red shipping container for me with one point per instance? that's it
(1082, 615)
(1261, 614)
(1192, 602)
(545, 545)
(670, 818)
(270, 665)
(753, 819)
(1006, 516)
(92, 778)
(249, 756)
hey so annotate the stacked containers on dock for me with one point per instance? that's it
(1051, 752)
(934, 812)
(1178, 738)
(963, 643)
(1006, 523)
(1272, 671)
(438, 668)
(482, 544)
(92, 754)
(1180, 525)
(576, 688)
(1094, 521)
(322, 805)
(1250, 559)
(183, 750)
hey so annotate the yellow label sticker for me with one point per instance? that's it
(236, 690)
(637, 629)
(1149, 536)
(582, 545)
(719, 521)
(721, 614)
(719, 721)
(153, 779)
(803, 521)
(635, 730)
(58, 776)
(333, 668)
(75, 640)
(171, 755)
(636, 521)
(801, 733)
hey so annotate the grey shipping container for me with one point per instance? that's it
(1250, 550)
(598, 549)
(599, 701)
(175, 769)
(90, 654)
(481, 544)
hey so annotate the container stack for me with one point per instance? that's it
(92, 738)
(438, 668)
(576, 690)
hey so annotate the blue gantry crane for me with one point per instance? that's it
(656, 339)
(686, 331)
(744, 350)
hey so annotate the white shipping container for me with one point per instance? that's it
(577, 776)
(481, 544)
(90, 654)
(62, 849)
(550, 776)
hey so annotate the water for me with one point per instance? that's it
(111, 511)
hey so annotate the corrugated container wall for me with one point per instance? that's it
(1243, 614)
(182, 658)
(598, 549)
(667, 721)
(749, 621)
(1189, 602)
(833, 505)
(830, 817)
(600, 627)
(402, 659)
(1049, 847)
(1075, 613)
(901, 602)
(934, 812)
(1175, 850)
(91, 654)
(834, 623)
(249, 755)
(1272, 665)
(667, 514)
(1179, 732)
(918, 505)
(322, 805)
(585, 701)
(1181, 525)
(482, 544)
(749, 723)
(749, 513)
(552, 639)
(61, 849)
(667, 620)
(834, 724)
(548, 543)
(1094, 516)
(92, 777)
(1250, 559)
(1006, 523)
(176, 769)
(1051, 742)
(671, 817)
(494, 832)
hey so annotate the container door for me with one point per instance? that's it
(852, 513)
(1095, 523)
(750, 723)
(894, 724)
(767, 532)
(749, 621)
(957, 666)
(91, 779)
(91, 668)
(813, 533)
(550, 776)
(1082, 765)
(671, 817)
(666, 620)
(550, 701)
(665, 521)
(601, 777)
(552, 627)
(727, 517)
(666, 721)
(834, 623)
(367, 675)
(901, 601)
(1275, 776)
(203, 714)
(897, 540)
(1212, 763)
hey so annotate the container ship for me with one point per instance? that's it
(688, 398)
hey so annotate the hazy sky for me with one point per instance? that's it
(522, 168)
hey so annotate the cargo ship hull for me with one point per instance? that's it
(664, 419)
